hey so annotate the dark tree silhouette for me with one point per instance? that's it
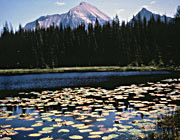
(136, 43)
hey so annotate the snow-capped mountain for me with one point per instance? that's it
(148, 14)
(83, 13)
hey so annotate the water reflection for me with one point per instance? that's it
(126, 112)
(55, 80)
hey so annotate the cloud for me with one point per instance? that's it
(60, 3)
(153, 2)
(119, 11)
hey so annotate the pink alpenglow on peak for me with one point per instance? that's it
(83, 13)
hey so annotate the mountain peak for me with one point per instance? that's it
(148, 15)
(89, 13)
(84, 3)
(82, 6)
(144, 10)
(82, 13)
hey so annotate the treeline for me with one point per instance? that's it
(137, 43)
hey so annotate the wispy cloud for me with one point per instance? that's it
(119, 11)
(153, 2)
(60, 3)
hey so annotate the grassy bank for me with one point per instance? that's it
(170, 126)
(85, 69)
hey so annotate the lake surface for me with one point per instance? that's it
(58, 80)
(91, 105)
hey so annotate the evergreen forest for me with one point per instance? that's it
(136, 43)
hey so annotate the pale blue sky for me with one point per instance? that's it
(23, 11)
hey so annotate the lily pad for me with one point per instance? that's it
(35, 135)
(63, 130)
(76, 137)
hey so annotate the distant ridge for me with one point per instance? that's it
(86, 13)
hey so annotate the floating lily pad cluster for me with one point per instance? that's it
(88, 113)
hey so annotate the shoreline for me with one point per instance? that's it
(4, 72)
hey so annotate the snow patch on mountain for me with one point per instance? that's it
(83, 13)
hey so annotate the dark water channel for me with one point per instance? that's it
(58, 80)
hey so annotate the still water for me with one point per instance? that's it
(91, 105)
(57, 80)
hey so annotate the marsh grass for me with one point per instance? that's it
(86, 69)
(169, 126)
